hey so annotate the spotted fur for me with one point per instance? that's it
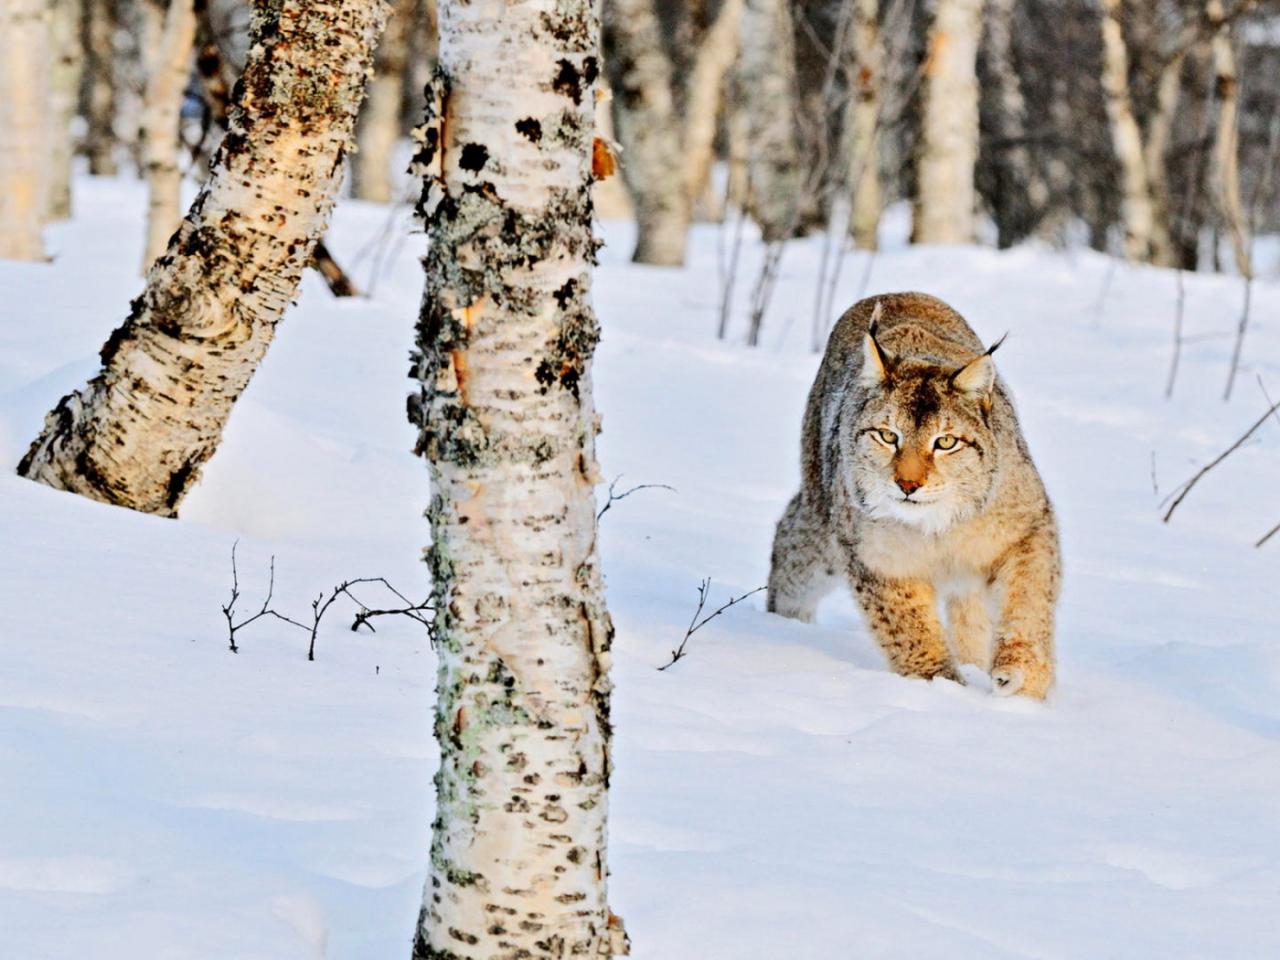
(919, 492)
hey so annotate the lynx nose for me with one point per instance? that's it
(907, 485)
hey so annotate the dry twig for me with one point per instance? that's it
(704, 589)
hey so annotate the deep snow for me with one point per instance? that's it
(778, 793)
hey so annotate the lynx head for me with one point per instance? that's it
(923, 446)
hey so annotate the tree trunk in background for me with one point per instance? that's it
(1023, 192)
(1226, 146)
(714, 56)
(168, 69)
(505, 341)
(946, 197)
(24, 127)
(862, 124)
(767, 84)
(98, 94)
(64, 96)
(1146, 239)
(645, 120)
(378, 125)
(1159, 135)
(139, 432)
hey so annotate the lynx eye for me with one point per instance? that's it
(889, 437)
(946, 442)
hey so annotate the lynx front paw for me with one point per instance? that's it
(1018, 671)
(1006, 681)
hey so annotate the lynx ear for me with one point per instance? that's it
(978, 376)
(875, 362)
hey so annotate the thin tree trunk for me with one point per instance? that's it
(949, 126)
(863, 124)
(64, 96)
(1226, 146)
(24, 126)
(505, 340)
(139, 432)
(378, 126)
(1146, 237)
(168, 70)
(1156, 149)
(645, 119)
(98, 93)
(1024, 193)
(767, 83)
(705, 94)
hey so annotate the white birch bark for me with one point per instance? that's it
(1156, 148)
(1226, 145)
(767, 84)
(24, 127)
(705, 93)
(505, 340)
(378, 125)
(946, 196)
(648, 128)
(168, 69)
(862, 124)
(1144, 241)
(64, 97)
(139, 432)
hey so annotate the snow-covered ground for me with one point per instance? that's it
(778, 793)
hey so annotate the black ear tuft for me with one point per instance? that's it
(996, 346)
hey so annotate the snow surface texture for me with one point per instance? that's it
(778, 793)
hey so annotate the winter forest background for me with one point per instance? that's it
(240, 717)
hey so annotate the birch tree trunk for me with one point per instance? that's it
(949, 126)
(1159, 135)
(24, 127)
(139, 432)
(863, 123)
(168, 69)
(98, 90)
(1146, 238)
(378, 125)
(64, 96)
(1226, 145)
(767, 84)
(1023, 191)
(504, 347)
(705, 93)
(648, 128)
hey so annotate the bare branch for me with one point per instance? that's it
(615, 497)
(1182, 491)
(695, 624)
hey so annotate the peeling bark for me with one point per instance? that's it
(138, 433)
(24, 125)
(507, 425)
(168, 68)
(946, 197)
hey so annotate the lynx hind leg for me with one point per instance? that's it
(801, 571)
(969, 629)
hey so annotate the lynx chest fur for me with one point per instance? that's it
(918, 492)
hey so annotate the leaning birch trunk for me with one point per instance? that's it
(168, 68)
(1226, 146)
(647, 126)
(504, 347)
(24, 126)
(98, 92)
(713, 58)
(139, 432)
(1025, 193)
(1142, 240)
(946, 200)
(767, 83)
(862, 125)
(64, 96)
(378, 125)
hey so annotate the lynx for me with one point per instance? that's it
(917, 490)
